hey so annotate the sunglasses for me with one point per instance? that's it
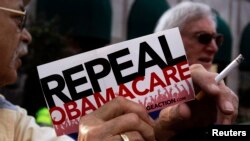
(21, 18)
(206, 38)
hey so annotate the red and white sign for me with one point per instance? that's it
(151, 70)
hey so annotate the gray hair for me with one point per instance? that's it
(184, 13)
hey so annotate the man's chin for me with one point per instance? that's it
(207, 66)
(11, 78)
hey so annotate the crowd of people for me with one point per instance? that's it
(201, 41)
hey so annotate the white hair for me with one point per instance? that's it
(183, 13)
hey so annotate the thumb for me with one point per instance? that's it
(171, 120)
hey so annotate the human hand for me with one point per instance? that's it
(119, 116)
(218, 106)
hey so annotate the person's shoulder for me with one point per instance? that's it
(5, 104)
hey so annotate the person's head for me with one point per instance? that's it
(198, 30)
(14, 39)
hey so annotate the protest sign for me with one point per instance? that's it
(151, 70)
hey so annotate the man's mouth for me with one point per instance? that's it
(205, 60)
(18, 63)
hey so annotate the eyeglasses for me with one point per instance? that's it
(21, 18)
(206, 38)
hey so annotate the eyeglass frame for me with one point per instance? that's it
(22, 13)
(214, 36)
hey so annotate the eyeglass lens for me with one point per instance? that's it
(206, 38)
(23, 21)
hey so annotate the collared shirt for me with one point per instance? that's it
(16, 125)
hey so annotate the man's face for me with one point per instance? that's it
(197, 51)
(13, 40)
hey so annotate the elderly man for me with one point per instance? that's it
(198, 30)
(15, 125)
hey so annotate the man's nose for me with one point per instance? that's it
(26, 36)
(212, 47)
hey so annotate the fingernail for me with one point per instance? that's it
(228, 107)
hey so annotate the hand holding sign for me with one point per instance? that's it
(119, 116)
(218, 106)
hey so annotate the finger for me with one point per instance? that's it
(228, 106)
(120, 106)
(171, 120)
(134, 136)
(86, 126)
(127, 123)
(90, 120)
(94, 135)
(199, 74)
(173, 115)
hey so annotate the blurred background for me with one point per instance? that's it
(62, 28)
